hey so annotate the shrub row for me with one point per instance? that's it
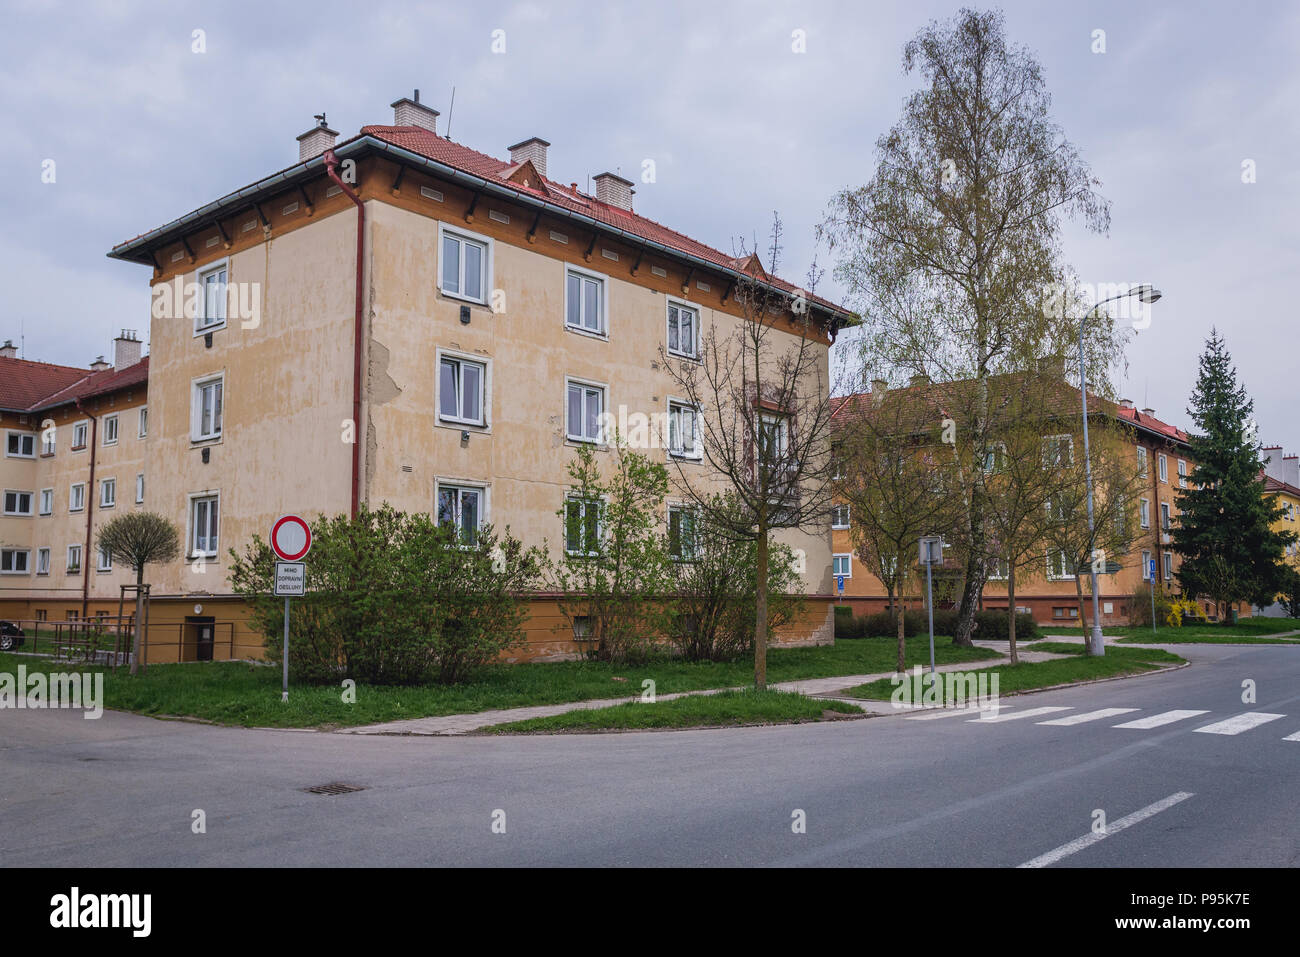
(990, 625)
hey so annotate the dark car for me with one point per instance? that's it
(11, 636)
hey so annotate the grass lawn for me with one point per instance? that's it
(726, 708)
(1043, 674)
(240, 693)
(1245, 631)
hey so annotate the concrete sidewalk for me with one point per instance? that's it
(451, 724)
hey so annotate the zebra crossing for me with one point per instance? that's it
(1053, 716)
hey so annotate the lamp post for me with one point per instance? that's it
(1147, 294)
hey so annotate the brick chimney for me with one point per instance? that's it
(126, 350)
(410, 111)
(614, 190)
(534, 149)
(100, 364)
(8, 350)
(920, 379)
(316, 140)
(879, 387)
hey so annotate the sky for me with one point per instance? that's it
(142, 126)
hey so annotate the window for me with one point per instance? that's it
(1058, 451)
(47, 501)
(464, 272)
(1169, 565)
(48, 441)
(839, 516)
(108, 493)
(20, 445)
(79, 432)
(105, 561)
(842, 565)
(206, 409)
(683, 330)
(996, 569)
(203, 526)
(995, 458)
(144, 422)
(1182, 473)
(18, 503)
(74, 559)
(681, 532)
(1058, 565)
(1162, 467)
(584, 301)
(1142, 461)
(683, 435)
(1164, 516)
(586, 402)
(1065, 612)
(139, 488)
(773, 439)
(581, 526)
(461, 507)
(110, 430)
(460, 390)
(14, 561)
(1144, 512)
(212, 308)
(77, 497)
(1146, 566)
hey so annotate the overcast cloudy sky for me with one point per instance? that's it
(142, 129)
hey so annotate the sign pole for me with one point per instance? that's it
(284, 693)
(291, 541)
(1152, 569)
(929, 604)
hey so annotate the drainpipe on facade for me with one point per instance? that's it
(90, 509)
(331, 167)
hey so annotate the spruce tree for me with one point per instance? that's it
(1225, 534)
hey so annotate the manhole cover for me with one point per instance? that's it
(335, 788)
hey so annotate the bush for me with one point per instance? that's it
(392, 598)
(993, 624)
(1139, 609)
(847, 625)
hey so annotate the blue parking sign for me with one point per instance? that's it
(1151, 569)
(839, 583)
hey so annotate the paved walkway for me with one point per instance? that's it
(814, 687)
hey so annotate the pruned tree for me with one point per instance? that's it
(761, 417)
(952, 251)
(138, 539)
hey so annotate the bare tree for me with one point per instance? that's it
(762, 417)
(138, 539)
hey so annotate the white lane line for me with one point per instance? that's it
(1240, 722)
(1065, 850)
(953, 713)
(1156, 720)
(1090, 716)
(1031, 713)
(1292, 737)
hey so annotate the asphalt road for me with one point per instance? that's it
(883, 791)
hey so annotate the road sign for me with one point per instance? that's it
(839, 583)
(290, 538)
(290, 579)
(1151, 569)
(931, 550)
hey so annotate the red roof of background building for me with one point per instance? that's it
(27, 386)
(1151, 423)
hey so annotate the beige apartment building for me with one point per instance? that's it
(399, 318)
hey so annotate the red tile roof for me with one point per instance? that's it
(33, 386)
(1152, 424)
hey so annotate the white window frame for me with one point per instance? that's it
(689, 553)
(139, 488)
(113, 421)
(142, 422)
(201, 324)
(443, 484)
(70, 565)
(1056, 445)
(72, 497)
(999, 572)
(485, 389)
(13, 561)
(835, 517)
(18, 492)
(103, 560)
(998, 461)
(196, 406)
(1167, 561)
(191, 552)
(1182, 473)
(108, 492)
(462, 236)
(1146, 565)
(599, 504)
(1054, 568)
(585, 384)
(675, 408)
(47, 494)
(49, 440)
(43, 560)
(1162, 467)
(680, 304)
(588, 275)
(1142, 461)
(1166, 517)
(1144, 512)
(847, 557)
(31, 436)
(783, 435)
(84, 426)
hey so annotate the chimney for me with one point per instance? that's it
(100, 364)
(920, 379)
(534, 149)
(1150, 412)
(878, 389)
(1291, 469)
(126, 350)
(8, 350)
(410, 111)
(316, 140)
(1274, 462)
(614, 190)
(1126, 403)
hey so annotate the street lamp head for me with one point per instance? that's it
(1148, 293)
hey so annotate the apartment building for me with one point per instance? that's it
(75, 445)
(399, 318)
(1282, 484)
(1160, 454)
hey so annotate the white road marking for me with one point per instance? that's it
(1065, 850)
(1090, 716)
(1240, 722)
(1156, 720)
(1031, 713)
(1292, 737)
(953, 713)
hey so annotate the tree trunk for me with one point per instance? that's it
(137, 646)
(902, 641)
(971, 591)
(760, 613)
(1011, 613)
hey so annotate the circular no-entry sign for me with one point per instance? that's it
(290, 538)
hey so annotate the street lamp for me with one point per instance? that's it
(1146, 293)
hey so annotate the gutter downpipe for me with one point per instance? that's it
(90, 510)
(331, 167)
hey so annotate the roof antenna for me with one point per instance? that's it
(449, 111)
